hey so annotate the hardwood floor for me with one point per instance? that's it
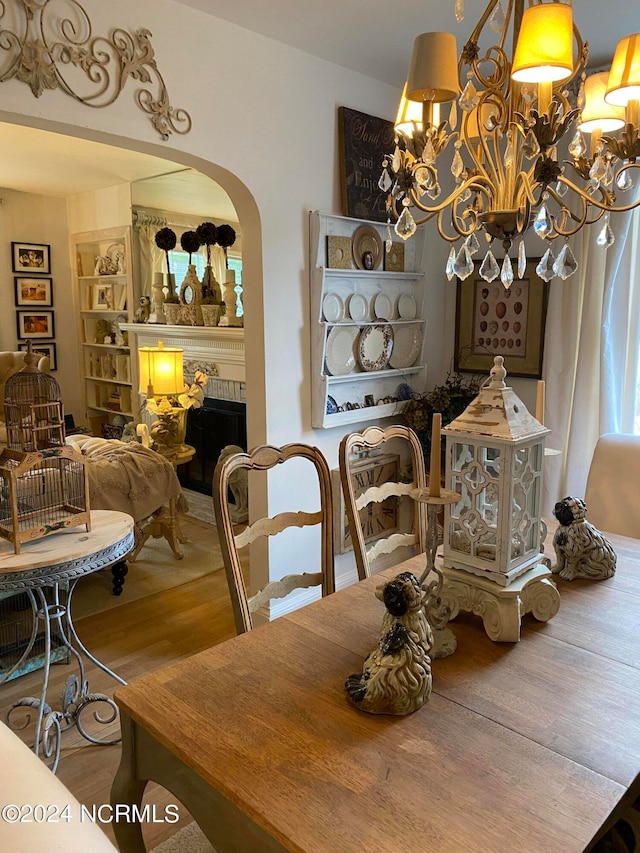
(132, 639)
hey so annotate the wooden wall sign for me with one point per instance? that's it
(364, 140)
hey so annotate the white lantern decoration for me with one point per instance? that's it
(492, 537)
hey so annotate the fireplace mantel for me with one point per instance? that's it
(209, 346)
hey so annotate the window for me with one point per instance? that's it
(180, 262)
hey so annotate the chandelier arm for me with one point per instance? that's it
(591, 200)
(476, 183)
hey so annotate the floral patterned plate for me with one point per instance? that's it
(375, 347)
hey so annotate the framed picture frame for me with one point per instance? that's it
(31, 257)
(364, 139)
(33, 291)
(102, 297)
(48, 349)
(35, 324)
(491, 320)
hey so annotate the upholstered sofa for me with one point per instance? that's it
(10, 363)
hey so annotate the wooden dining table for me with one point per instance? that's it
(530, 746)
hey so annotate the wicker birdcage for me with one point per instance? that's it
(34, 414)
(41, 493)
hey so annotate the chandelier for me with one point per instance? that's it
(506, 119)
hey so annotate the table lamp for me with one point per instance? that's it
(162, 377)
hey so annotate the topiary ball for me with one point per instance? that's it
(166, 239)
(207, 233)
(190, 242)
(226, 236)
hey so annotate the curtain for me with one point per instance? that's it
(592, 345)
(152, 259)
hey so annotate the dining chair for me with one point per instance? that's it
(264, 458)
(613, 485)
(367, 490)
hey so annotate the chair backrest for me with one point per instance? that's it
(262, 459)
(613, 485)
(359, 500)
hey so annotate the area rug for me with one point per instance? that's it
(190, 838)
(156, 569)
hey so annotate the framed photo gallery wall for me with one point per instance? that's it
(33, 292)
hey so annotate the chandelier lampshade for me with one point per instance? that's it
(433, 73)
(518, 158)
(624, 76)
(545, 45)
(597, 114)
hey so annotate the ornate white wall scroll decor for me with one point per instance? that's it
(46, 50)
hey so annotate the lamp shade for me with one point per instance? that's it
(409, 116)
(624, 76)
(597, 114)
(161, 370)
(433, 73)
(544, 51)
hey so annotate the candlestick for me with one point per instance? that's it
(434, 463)
(540, 401)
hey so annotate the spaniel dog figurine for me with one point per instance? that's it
(581, 550)
(396, 678)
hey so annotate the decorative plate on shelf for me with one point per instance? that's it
(367, 248)
(332, 308)
(375, 347)
(407, 308)
(332, 406)
(383, 307)
(341, 350)
(358, 308)
(407, 346)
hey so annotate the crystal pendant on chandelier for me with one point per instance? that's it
(530, 147)
(522, 260)
(577, 146)
(463, 266)
(561, 189)
(598, 171)
(405, 227)
(508, 154)
(624, 181)
(385, 183)
(506, 273)
(542, 224)
(606, 237)
(428, 153)
(451, 260)
(453, 116)
(472, 243)
(457, 166)
(496, 21)
(396, 160)
(565, 264)
(469, 97)
(489, 268)
(545, 266)
(388, 240)
(459, 10)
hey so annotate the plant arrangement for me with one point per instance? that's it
(166, 240)
(190, 242)
(450, 399)
(207, 234)
(226, 237)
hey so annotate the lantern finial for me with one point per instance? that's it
(498, 373)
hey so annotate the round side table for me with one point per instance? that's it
(62, 559)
